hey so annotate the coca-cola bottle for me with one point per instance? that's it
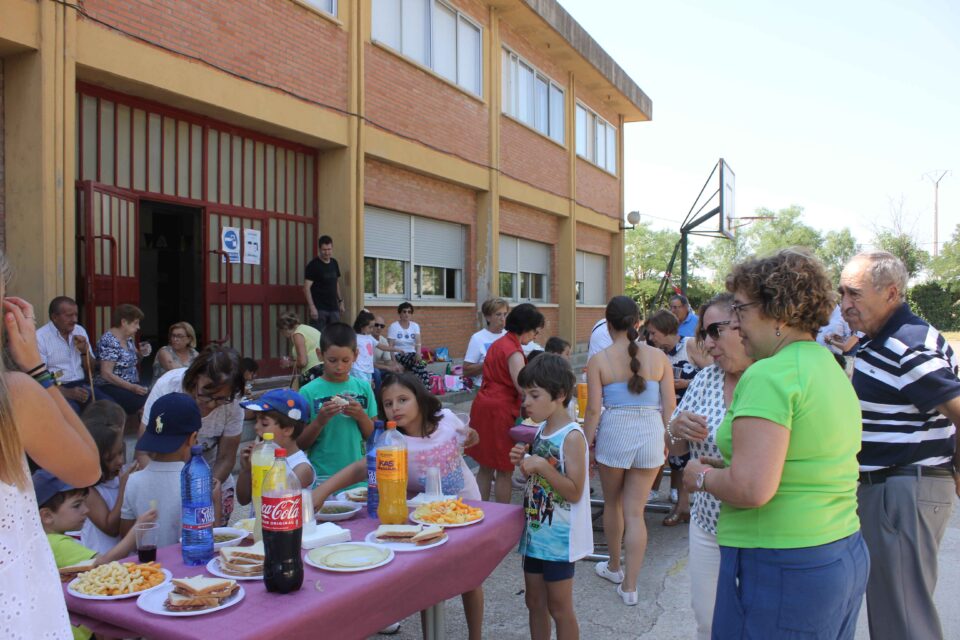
(281, 509)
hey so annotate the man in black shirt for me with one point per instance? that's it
(321, 286)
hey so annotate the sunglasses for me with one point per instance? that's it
(378, 325)
(713, 330)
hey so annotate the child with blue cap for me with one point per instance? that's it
(282, 412)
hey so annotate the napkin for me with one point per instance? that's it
(326, 533)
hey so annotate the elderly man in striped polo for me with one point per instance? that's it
(906, 379)
(63, 344)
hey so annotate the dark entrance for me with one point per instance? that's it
(171, 283)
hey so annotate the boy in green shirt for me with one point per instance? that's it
(342, 407)
(64, 508)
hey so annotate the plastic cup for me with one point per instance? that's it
(582, 394)
(434, 487)
(147, 534)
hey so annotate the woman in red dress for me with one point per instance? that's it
(497, 405)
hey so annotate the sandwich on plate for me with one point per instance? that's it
(69, 573)
(357, 495)
(242, 561)
(410, 533)
(198, 593)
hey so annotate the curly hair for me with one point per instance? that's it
(791, 286)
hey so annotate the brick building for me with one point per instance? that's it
(454, 149)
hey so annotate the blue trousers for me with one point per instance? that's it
(812, 593)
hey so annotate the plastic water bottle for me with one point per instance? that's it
(261, 459)
(373, 496)
(196, 507)
(392, 476)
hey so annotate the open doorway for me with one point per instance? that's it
(171, 286)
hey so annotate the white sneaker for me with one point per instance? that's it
(391, 629)
(603, 570)
(630, 598)
(674, 496)
(652, 497)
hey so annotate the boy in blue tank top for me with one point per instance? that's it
(556, 499)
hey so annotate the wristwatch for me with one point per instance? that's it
(702, 477)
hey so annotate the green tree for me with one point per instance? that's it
(647, 253)
(837, 249)
(904, 247)
(946, 266)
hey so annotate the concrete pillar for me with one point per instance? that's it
(567, 248)
(39, 149)
(487, 241)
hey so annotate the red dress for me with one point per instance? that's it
(497, 406)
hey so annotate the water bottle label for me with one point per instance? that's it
(283, 513)
(372, 477)
(203, 518)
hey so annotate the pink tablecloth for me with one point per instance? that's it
(329, 605)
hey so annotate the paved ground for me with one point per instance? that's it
(664, 609)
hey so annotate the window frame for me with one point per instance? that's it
(431, 48)
(513, 64)
(315, 5)
(591, 138)
(451, 277)
(521, 292)
(584, 285)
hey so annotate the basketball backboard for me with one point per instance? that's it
(727, 199)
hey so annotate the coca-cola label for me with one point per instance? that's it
(283, 513)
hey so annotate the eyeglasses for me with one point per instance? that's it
(713, 330)
(212, 399)
(738, 308)
(378, 325)
(178, 336)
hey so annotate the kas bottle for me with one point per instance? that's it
(260, 462)
(281, 509)
(196, 509)
(392, 476)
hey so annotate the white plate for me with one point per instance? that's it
(152, 602)
(327, 548)
(421, 498)
(238, 536)
(342, 497)
(167, 576)
(405, 546)
(337, 517)
(214, 567)
(448, 526)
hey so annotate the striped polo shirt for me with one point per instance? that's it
(901, 375)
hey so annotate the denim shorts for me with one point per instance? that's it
(552, 570)
(813, 592)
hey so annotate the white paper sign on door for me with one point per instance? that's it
(251, 246)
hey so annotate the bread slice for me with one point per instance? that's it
(357, 495)
(243, 555)
(68, 573)
(179, 602)
(397, 532)
(428, 535)
(203, 586)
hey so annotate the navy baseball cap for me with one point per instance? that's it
(46, 485)
(286, 402)
(173, 418)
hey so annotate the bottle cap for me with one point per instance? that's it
(391, 424)
(280, 453)
(196, 450)
(268, 437)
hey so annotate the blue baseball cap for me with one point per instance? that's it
(173, 418)
(46, 485)
(286, 402)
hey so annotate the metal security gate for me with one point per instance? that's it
(130, 149)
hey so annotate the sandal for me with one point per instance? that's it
(674, 519)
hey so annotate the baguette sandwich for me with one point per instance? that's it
(409, 533)
(199, 592)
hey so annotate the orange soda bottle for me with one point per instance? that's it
(392, 476)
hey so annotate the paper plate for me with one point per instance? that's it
(315, 557)
(152, 602)
(405, 546)
(447, 525)
(167, 576)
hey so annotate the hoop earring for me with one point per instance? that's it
(778, 332)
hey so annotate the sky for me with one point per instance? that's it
(838, 107)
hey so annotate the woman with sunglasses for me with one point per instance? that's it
(692, 430)
(214, 381)
(792, 560)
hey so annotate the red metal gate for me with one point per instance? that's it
(110, 265)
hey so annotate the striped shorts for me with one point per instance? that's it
(630, 438)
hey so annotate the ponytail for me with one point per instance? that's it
(636, 383)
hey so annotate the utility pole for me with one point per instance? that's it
(931, 176)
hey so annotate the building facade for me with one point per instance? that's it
(454, 149)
